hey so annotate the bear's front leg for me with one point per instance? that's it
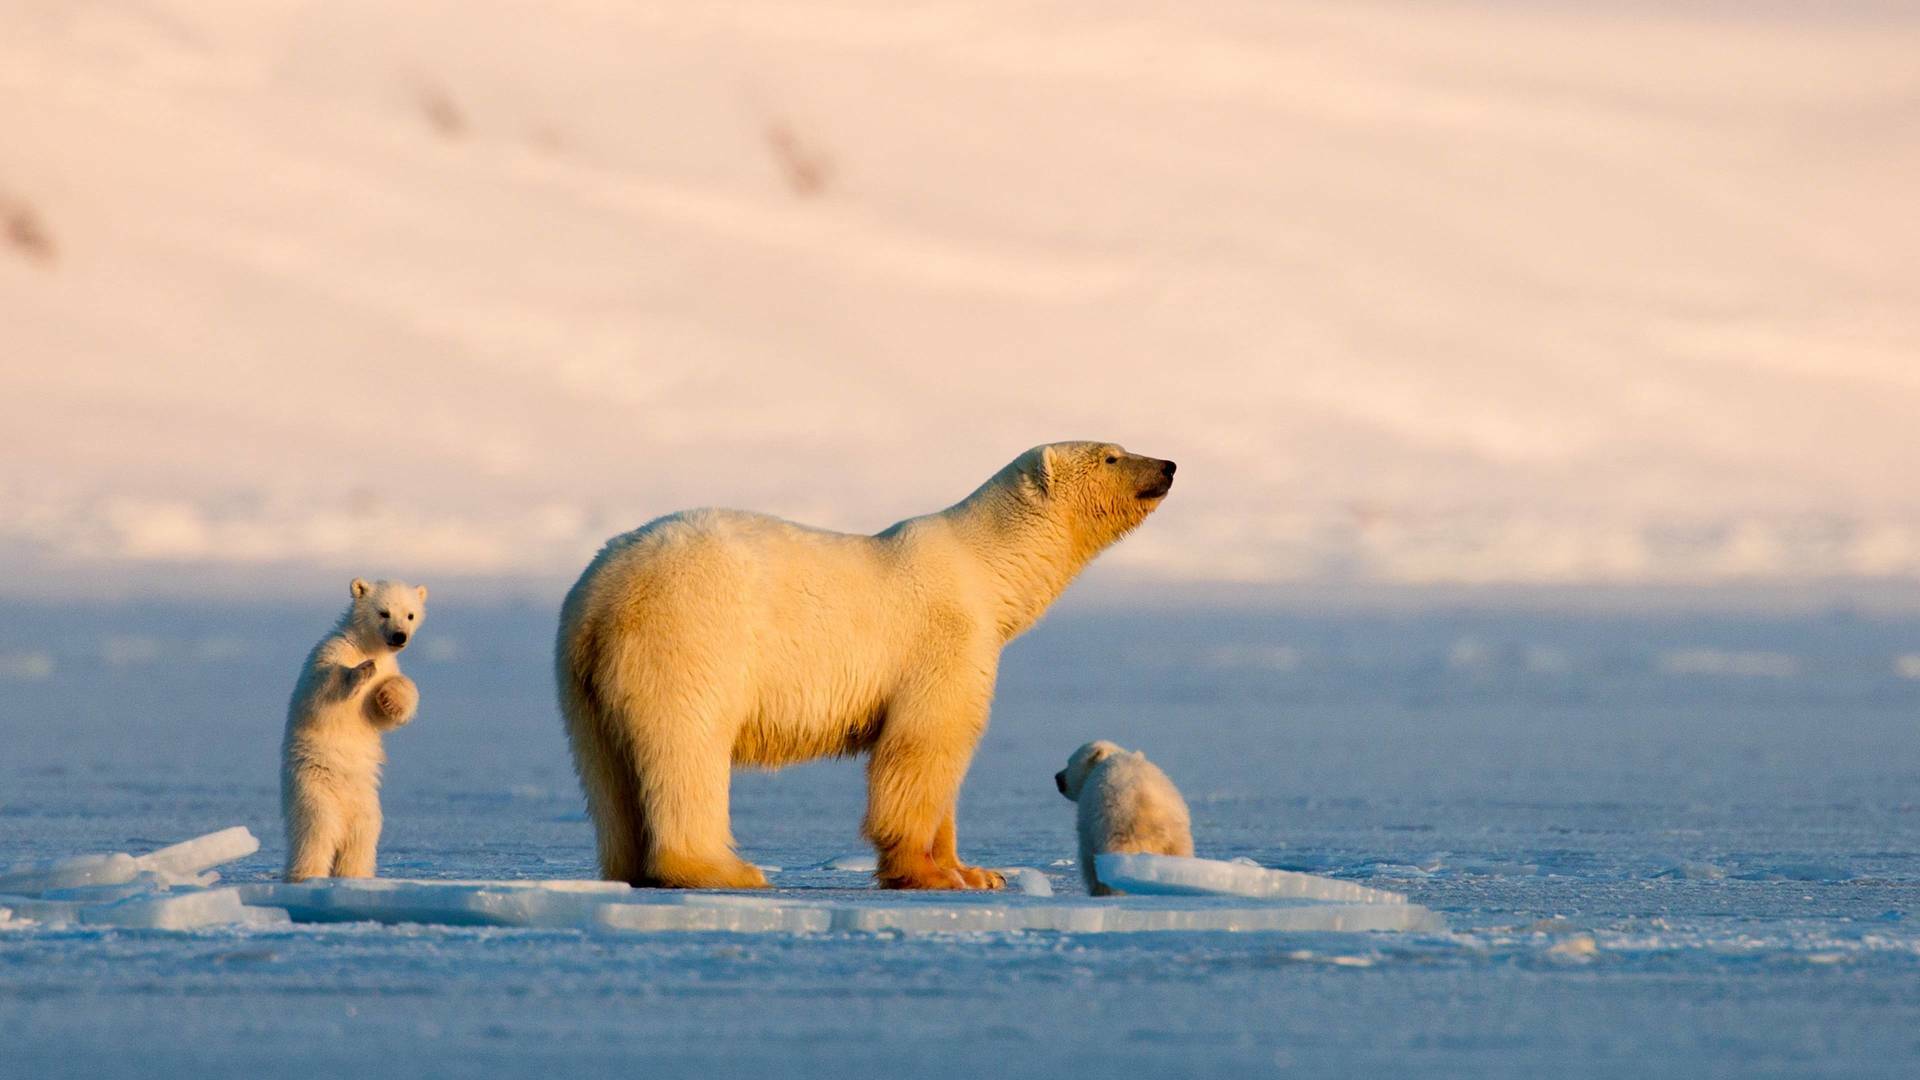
(913, 783)
(393, 702)
(343, 682)
(946, 853)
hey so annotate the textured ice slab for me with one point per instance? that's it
(169, 911)
(717, 913)
(1171, 875)
(1116, 916)
(447, 903)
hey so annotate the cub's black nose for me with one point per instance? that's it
(1060, 781)
(1166, 469)
(397, 638)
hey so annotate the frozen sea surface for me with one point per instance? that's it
(1674, 846)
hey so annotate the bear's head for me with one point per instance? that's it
(1098, 490)
(1074, 777)
(385, 613)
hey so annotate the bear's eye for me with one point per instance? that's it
(409, 616)
(386, 614)
(1111, 460)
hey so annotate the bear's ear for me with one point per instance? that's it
(1042, 471)
(360, 588)
(422, 590)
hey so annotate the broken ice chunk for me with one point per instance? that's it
(34, 878)
(1172, 875)
(180, 864)
(144, 883)
(1028, 881)
(188, 859)
(50, 912)
(861, 864)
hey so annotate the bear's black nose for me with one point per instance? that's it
(397, 638)
(1060, 781)
(1166, 469)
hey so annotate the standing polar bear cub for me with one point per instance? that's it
(1127, 805)
(711, 639)
(350, 691)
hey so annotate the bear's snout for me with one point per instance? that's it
(397, 638)
(1060, 781)
(1162, 481)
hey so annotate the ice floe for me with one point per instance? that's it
(172, 889)
(614, 907)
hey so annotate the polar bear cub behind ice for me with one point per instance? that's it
(350, 691)
(1127, 805)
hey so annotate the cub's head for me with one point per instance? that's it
(1074, 777)
(386, 613)
(1099, 490)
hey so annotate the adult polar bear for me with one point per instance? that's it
(710, 639)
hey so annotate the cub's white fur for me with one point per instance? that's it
(1127, 805)
(350, 691)
(711, 639)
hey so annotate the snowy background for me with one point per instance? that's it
(1541, 292)
(1542, 375)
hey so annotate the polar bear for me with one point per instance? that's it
(350, 691)
(710, 639)
(1126, 805)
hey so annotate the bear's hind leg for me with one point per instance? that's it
(690, 840)
(613, 805)
(360, 840)
(314, 831)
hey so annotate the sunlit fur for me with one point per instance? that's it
(711, 639)
(350, 691)
(1126, 805)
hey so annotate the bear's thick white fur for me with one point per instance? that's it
(1126, 805)
(711, 639)
(350, 691)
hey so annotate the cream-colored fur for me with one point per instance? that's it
(350, 691)
(711, 639)
(1126, 805)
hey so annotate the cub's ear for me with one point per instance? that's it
(422, 590)
(360, 588)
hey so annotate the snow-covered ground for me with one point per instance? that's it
(1663, 846)
(1474, 291)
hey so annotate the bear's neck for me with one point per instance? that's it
(1028, 555)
